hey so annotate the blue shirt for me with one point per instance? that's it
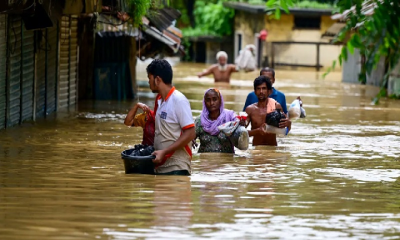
(278, 96)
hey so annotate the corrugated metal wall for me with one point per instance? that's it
(73, 61)
(28, 74)
(40, 82)
(14, 77)
(52, 40)
(68, 61)
(3, 69)
(38, 69)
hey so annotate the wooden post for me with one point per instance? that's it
(318, 65)
(272, 55)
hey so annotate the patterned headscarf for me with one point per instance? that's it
(210, 126)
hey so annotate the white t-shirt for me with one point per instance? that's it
(173, 115)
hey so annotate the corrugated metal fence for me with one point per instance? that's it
(3, 71)
(31, 64)
(68, 61)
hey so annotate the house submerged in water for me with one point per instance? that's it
(54, 53)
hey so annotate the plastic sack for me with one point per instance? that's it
(274, 118)
(229, 128)
(240, 138)
(296, 109)
(302, 112)
(238, 135)
(281, 132)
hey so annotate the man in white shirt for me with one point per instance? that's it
(174, 127)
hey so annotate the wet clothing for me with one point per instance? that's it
(211, 126)
(172, 116)
(211, 139)
(178, 172)
(212, 143)
(277, 95)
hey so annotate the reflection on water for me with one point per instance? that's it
(336, 175)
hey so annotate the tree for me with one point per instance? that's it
(372, 26)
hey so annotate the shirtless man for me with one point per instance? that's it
(257, 113)
(222, 70)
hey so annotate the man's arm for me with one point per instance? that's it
(234, 68)
(206, 72)
(254, 132)
(286, 123)
(258, 131)
(187, 136)
(131, 114)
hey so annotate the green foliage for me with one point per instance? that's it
(314, 5)
(211, 19)
(375, 36)
(278, 5)
(137, 9)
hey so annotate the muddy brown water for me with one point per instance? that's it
(336, 176)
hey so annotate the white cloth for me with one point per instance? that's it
(246, 60)
(173, 115)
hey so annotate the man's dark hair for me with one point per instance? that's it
(160, 68)
(262, 79)
(267, 69)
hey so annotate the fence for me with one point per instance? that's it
(317, 64)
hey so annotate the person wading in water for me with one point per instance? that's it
(222, 70)
(257, 113)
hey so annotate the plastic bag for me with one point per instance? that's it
(238, 135)
(240, 138)
(274, 118)
(302, 112)
(295, 109)
(281, 132)
(229, 128)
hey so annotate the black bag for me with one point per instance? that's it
(273, 118)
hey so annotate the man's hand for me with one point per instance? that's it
(144, 107)
(160, 154)
(285, 122)
(200, 75)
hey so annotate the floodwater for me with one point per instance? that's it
(336, 176)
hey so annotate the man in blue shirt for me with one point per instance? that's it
(277, 95)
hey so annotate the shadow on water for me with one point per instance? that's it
(336, 175)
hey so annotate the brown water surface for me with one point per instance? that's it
(336, 175)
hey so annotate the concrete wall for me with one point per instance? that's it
(247, 25)
(282, 30)
(376, 76)
(394, 81)
(352, 67)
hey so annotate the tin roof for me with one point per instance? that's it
(368, 8)
(163, 18)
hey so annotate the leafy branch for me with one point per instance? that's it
(375, 33)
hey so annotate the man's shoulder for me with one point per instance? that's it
(214, 66)
(252, 94)
(251, 107)
(279, 93)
